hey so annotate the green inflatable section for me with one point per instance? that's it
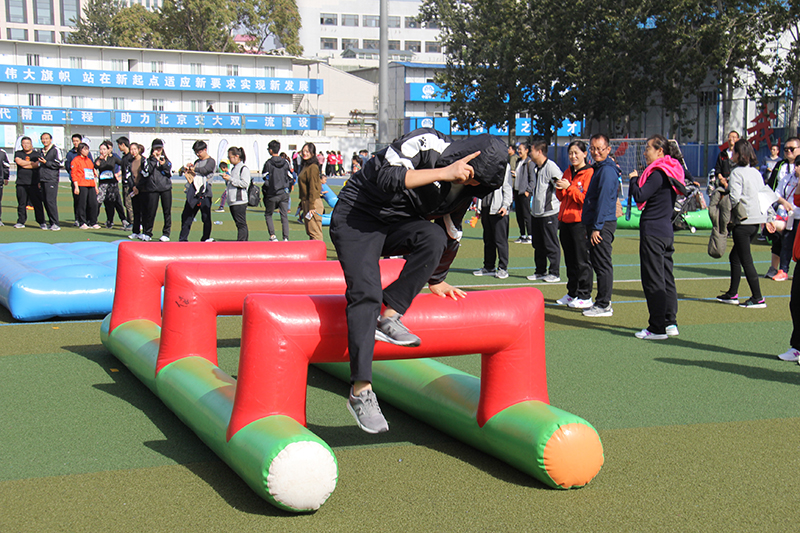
(695, 219)
(447, 399)
(282, 461)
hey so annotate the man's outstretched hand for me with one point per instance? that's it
(445, 290)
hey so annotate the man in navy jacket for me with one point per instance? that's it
(600, 216)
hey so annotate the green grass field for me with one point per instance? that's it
(699, 431)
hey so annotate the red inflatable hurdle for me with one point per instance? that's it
(196, 293)
(505, 326)
(141, 268)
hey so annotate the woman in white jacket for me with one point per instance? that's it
(238, 182)
(744, 185)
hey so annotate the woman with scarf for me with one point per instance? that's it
(655, 194)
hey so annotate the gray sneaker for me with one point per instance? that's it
(367, 412)
(501, 273)
(484, 272)
(393, 331)
(551, 278)
(597, 311)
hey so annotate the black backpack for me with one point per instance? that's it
(253, 195)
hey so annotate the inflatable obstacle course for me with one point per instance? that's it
(257, 424)
(40, 281)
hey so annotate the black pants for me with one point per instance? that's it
(151, 200)
(794, 308)
(576, 258)
(495, 239)
(26, 193)
(49, 191)
(658, 282)
(280, 201)
(600, 257)
(239, 214)
(87, 208)
(522, 207)
(360, 241)
(544, 239)
(187, 217)
(137, 203)
(741, 258)
(787, 243)
(1, 197)
(112, 201)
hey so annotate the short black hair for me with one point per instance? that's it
(199, 145)
(77, 136)
(602, 136)
(124, 141)
(274, 147)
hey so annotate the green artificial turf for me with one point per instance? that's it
(698, 430)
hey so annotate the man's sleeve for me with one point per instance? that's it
(5, 164)
(453, 220)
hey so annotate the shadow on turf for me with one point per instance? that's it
(790, 376)
(405, 430)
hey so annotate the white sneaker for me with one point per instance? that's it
(19, 226)
(577, 303)
(501, 273)
(484, 272)
(273, 238)
(520, 240)
(647, 335)
(534, 277)
(210, 239)
(55, 227)
(551, 278)
(134, 236)
(672, 330)
(144, 237)
(164, 238)
(790, 355)
(565, 300)
(597, 311)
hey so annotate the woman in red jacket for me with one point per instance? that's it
(84, 183)
(571, 190)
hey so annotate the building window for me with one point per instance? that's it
(34, 99)
(233, 107)
(432, 47)
(432, 25)
(118, 103)
(41, 36)
(269, 108)
(394, 45)
(349, 44)
(70, 12)
(77, 102)
(15, 34)
(414, 46)
(412, 22)
(119, 64)
(196, 106)
(16, 11)
(195, 68)
(371, 21)
(372, 44)
(75, 62)
(43, 12)
(269, 72)
(156, 66)
(393, 22)
(233, 70)
(33, 60)
(328, 19)
(158, 104)
(349, 20)
(326, 43)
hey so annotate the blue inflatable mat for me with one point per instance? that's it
(40, 281)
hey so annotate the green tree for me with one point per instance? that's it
(137, 27)
(280, 19)
(204, 25)
(94, 25)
